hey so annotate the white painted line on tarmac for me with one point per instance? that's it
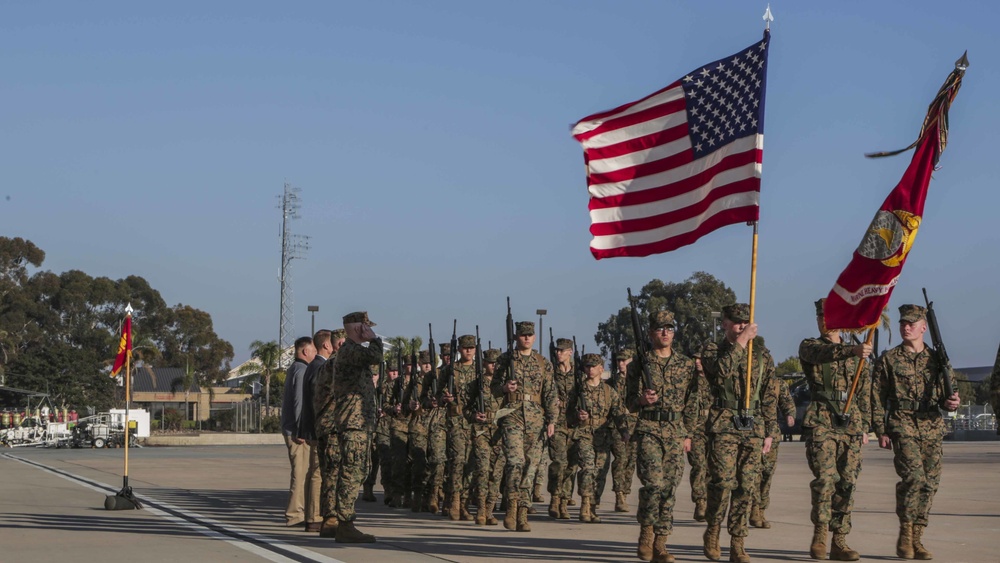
(260, 545)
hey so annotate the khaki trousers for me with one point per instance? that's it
(305, 484)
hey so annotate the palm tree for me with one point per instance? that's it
(268, 356)
(185, 381)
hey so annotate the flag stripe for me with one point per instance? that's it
(667, 169)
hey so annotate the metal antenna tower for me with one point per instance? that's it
(292, 247)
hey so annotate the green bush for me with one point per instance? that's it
(270, 424)
(172, 419)
(190, 425)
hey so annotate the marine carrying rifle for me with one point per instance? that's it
(553, 358)
(640, 344)
(942, 354)
(434, 362)
(414, 371)
(450, 384)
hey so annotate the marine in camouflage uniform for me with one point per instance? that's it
(665, 408)
(734, 453)
(528, 414)
(907, 395)
(560, 473)
(592, 409)
(768, 463)
(437, 437)
(381, 453)
(486, 457)
(422, 407)
(459, 440)
(698, 455)
(354, 418)
(326, 436)
(623, 451)
(833, 442)
(398, 413)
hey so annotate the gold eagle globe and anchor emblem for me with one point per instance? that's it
(890, 237)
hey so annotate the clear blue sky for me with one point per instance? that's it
(431, 144)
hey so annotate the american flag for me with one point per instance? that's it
(667, 169)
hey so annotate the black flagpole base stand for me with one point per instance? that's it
(123, 500)
(743, 421)
(841, 420)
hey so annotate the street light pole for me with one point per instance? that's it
(312, 309)
(541, 331)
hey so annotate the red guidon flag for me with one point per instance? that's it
(124, 346)
(863, 289)
(667, 169)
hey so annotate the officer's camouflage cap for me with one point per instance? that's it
(660, 319)
(564, 344)
(338, 333)
(425, 357)
(466, 341)
(590, 360)
(525, 328)
(737, 312)
(445, 349)
(491, 356)
(626, 354)
(358, 317)
(819, 307)
(912, 313)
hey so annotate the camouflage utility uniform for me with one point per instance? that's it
(769, 461)
(326, 435)
(624, 453)
(458, 429)
(698, 455)
(381, 452)
(734, 454)
(399, 425)
(833, 449)
(560, 476)
(486, 458)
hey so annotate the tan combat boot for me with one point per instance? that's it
(432, 502)
(711, 539)
(368, 495)
(510, 518)
(757, 519)
(536, 494)
(660, 553)
(491, 502)
(571, 502)
(329, 528)
(594, 518)
(464, 514)
(817, 549)
(481, 511)
(919, 551)
(904, 545)
(585, 512)
(522, 519)
(699, 510)
(840, 551)
(645, 549)
(737, 553)
(454, 506)
(621, 503)
(563, 509)
(554, 507)
(347, 533)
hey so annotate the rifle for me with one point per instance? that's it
(414, 371)
(581, 380)
(480, 380)
(454, 352)
(942, 354)
(553, 358)
(509, 375)
(378, 388)
(434, 362)
(640, 344)
(875, 347)
(399, 368)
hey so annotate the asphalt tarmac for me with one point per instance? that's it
(226, 503)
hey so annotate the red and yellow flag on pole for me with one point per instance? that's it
(863, 289)
(124, 346)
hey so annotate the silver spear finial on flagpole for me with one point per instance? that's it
(768, 18)
(963, 63)
(129, 309)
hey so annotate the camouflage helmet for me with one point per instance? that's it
(626, 354)
(590, 360)
(912, 313)
(445, 349)
(525, 328)
(424, 357)
(564, 344)
(338, 334)
(467, 341)
(491, 356)
(737, 312)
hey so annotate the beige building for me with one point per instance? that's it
(157, 389)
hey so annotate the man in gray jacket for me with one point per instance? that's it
(299, 450)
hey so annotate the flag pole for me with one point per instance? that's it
(125, 499)
(844, 418)
(128, 383)
(753, 300)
